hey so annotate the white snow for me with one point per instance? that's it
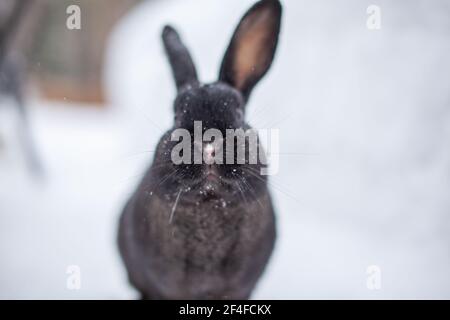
(364, 170)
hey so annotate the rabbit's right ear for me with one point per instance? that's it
(252, 47)
(183, 67)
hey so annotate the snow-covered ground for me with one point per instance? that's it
(364, 177)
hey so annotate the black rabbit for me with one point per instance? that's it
(205, 231)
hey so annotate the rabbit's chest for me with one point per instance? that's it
(203, 238)
(209, 234)
(198, 250)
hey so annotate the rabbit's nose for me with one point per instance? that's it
(209, 153)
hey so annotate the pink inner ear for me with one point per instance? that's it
(251, 51)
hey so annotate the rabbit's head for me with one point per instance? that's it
(219, 106)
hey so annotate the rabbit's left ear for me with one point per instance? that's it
(183, 67)
(252, 48)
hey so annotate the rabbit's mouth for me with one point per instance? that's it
(211, 184)
(212, 176)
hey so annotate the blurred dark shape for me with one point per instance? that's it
(10, 14)
(13, 74)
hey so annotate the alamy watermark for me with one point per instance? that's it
(373, 281)
(73, 281)
(239, 146)
(374, 18)
(73, 21)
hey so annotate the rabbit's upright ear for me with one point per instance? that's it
(183, 67)
(252, 47)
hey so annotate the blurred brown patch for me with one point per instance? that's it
(68, 64)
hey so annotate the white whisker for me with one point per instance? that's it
(175, 206)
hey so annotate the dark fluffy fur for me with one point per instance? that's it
(205, 231)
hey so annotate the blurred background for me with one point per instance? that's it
(364, 120)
